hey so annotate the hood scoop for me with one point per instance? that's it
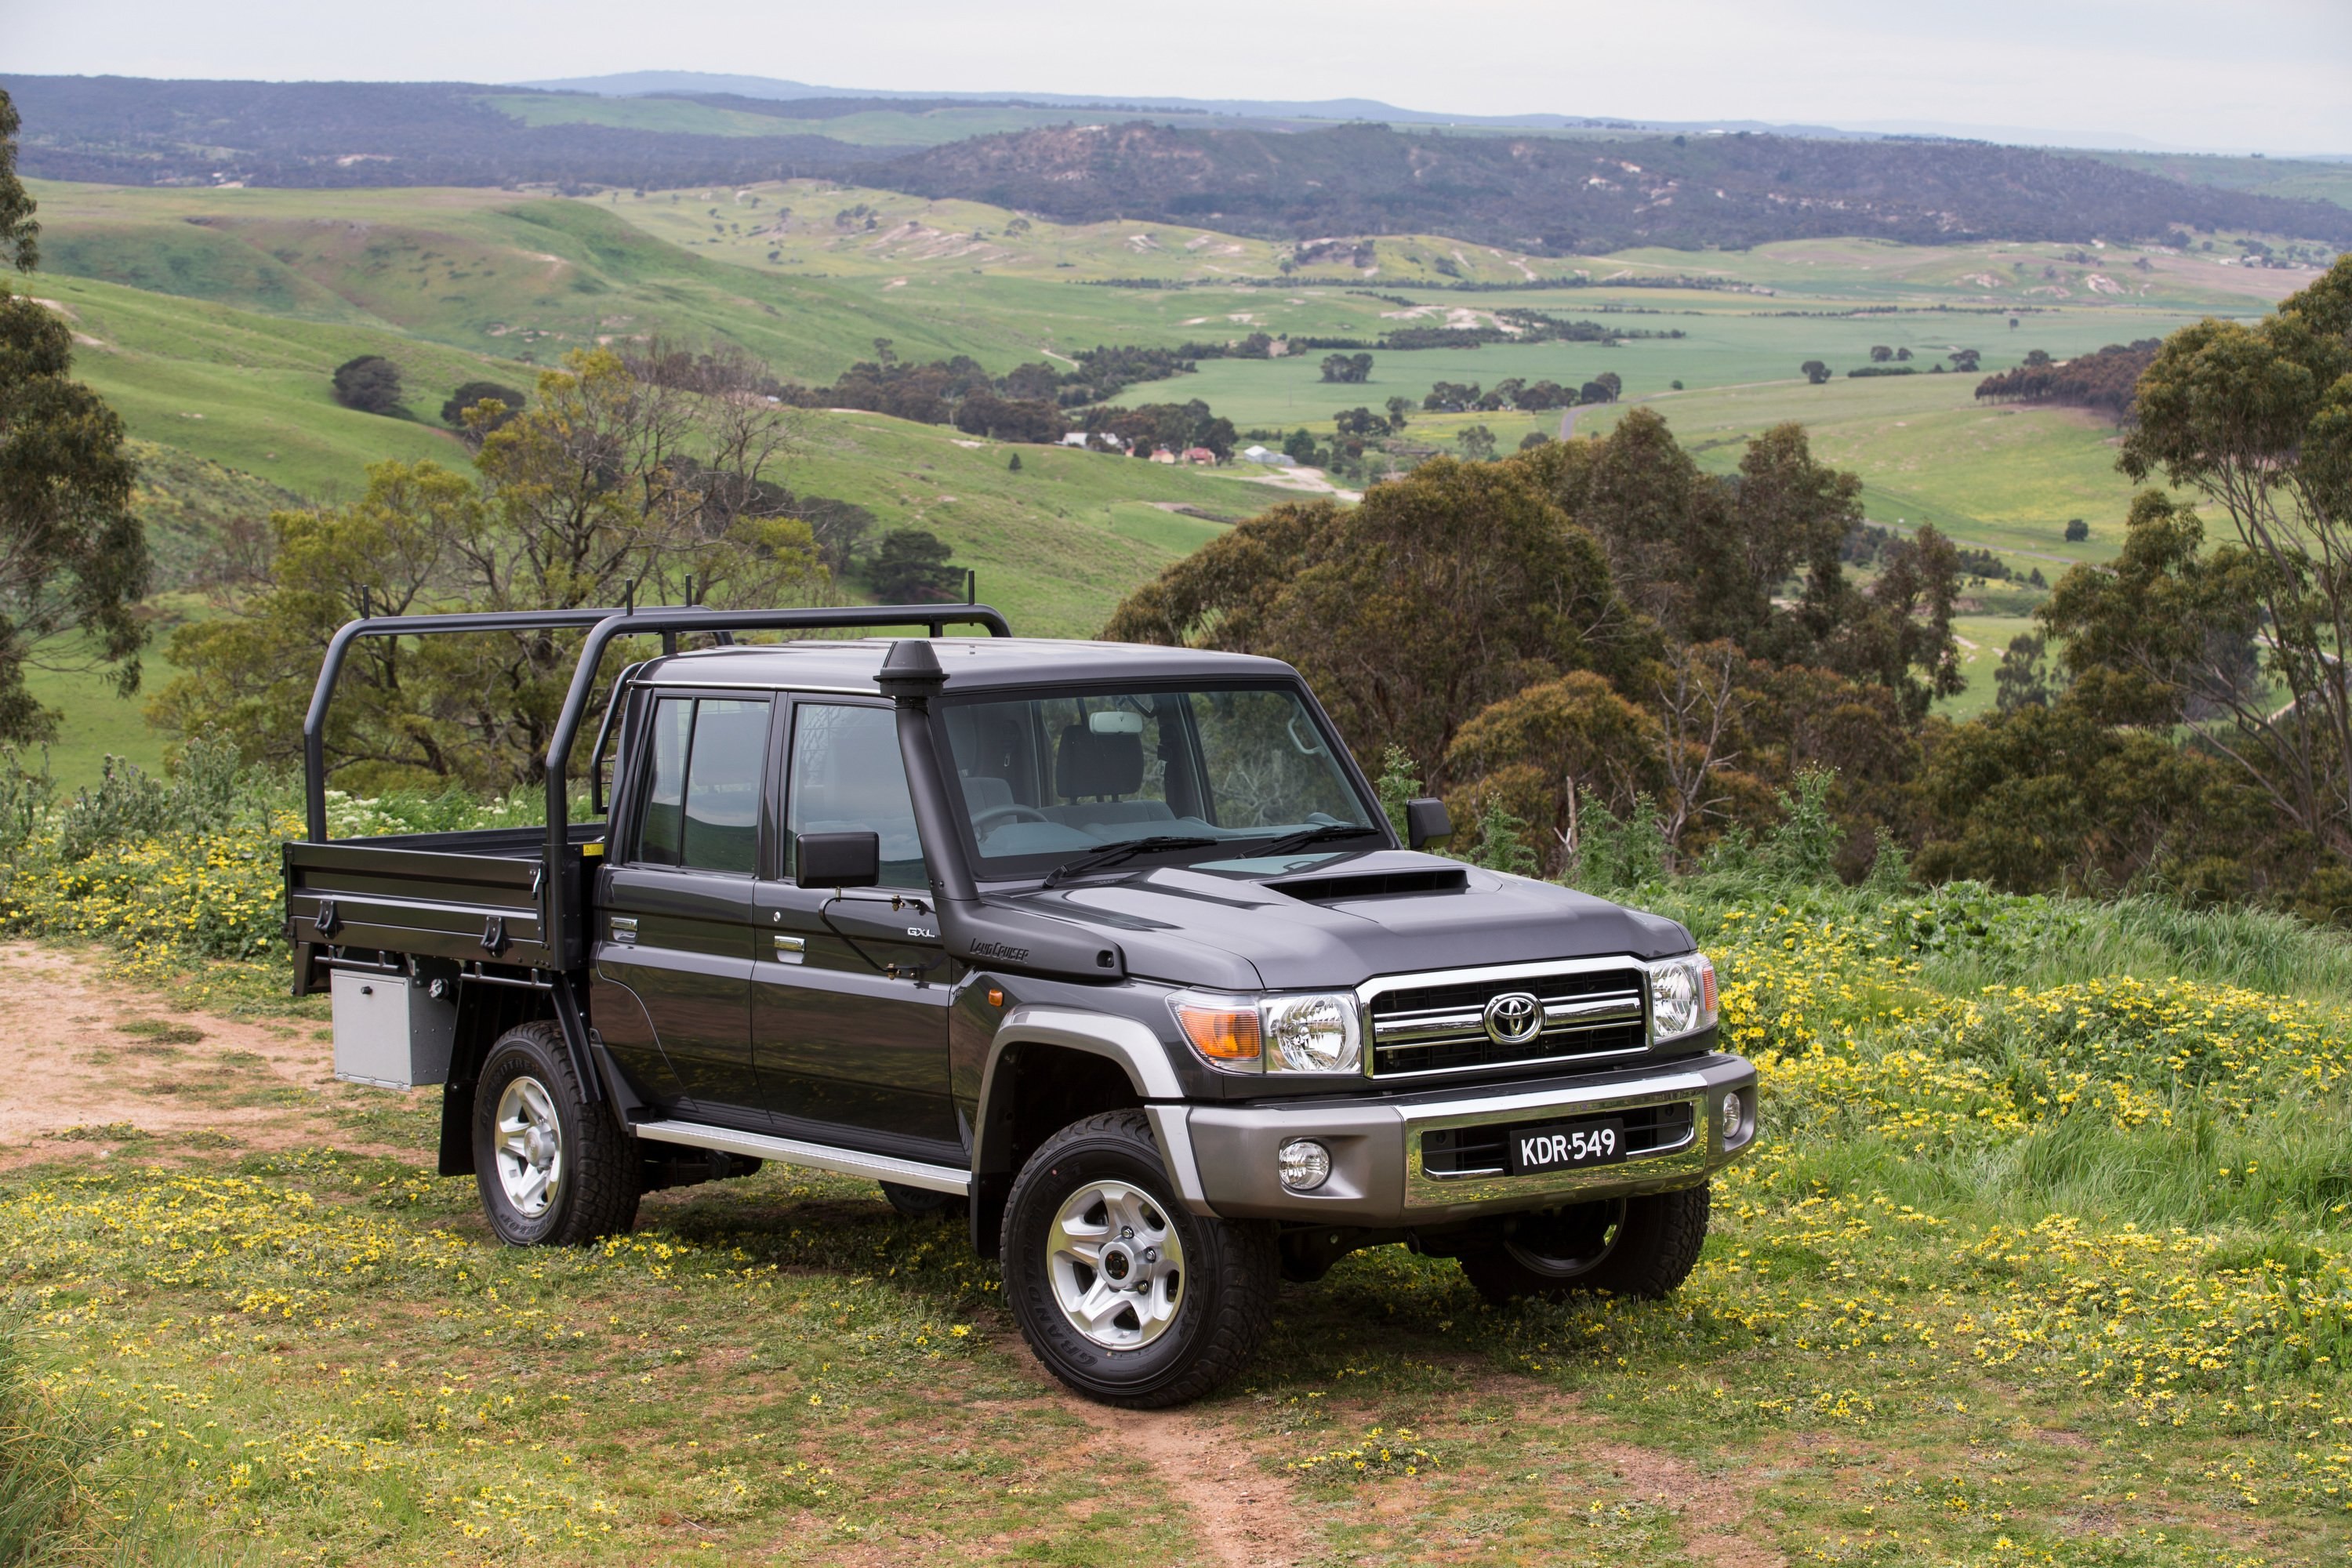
(1408, 879)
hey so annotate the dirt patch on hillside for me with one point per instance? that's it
(96, 1065)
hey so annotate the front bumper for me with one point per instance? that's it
(1223, 1158)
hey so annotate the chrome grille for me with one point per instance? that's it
(1436, 1024)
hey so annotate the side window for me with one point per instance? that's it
(847, 777)
(702, 798)
(659, 828)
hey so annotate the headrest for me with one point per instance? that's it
(986, 793)
(1091, 764)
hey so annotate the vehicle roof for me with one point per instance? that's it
(971, 664)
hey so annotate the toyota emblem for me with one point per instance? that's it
(1514, 1018)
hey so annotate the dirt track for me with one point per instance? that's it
(95, 1064)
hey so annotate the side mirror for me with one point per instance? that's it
(1426, 822)
(839, 860)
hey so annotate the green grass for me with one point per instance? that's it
(2310, 179)
(254, 393)
(2044, 1259)
(1058, 543)
(1997, 475)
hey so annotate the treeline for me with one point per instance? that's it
(1515, 391)
(2105, 380)
(1664, 647)
(1514, 326)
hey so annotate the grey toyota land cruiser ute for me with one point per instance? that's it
(1110, 947)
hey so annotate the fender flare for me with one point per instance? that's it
(1139, 1052)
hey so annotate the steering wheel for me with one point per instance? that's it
(981, 821)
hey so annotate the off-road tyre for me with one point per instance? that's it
(595, 1191)
(919, 1203)
(1224, 1303)
(1657, 1240)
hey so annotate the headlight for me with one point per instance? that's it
(1310, 1034)
(1681, 996)
(1274, 1033)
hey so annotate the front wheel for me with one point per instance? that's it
(1124, 1294)
(1643, 1246)
(553, 1170)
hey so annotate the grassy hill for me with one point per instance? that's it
(2307, 179)
(509, 278)
(1055, 544)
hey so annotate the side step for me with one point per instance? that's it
(815, 1156)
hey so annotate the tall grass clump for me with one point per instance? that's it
(47, 1512)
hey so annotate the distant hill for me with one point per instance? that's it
(1563, 196)
(694, 83)
(127, 130)
(1562, 190)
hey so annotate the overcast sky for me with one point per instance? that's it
(2273, 75)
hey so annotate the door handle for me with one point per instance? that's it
(625, 928)
(792, 949)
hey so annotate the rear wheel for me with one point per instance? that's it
(1126, 1295)
(1643, 1246)
(919, 1203)
(553, 1170)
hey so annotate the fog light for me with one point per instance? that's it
(1732, 1112)
(1305, 1165)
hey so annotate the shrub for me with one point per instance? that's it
(453, 412)
(370, 384)
(1502, 844)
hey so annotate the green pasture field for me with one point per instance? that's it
(1753, 353)
(254, 393)
(2311, 179)
(99, 722)
(1996, 475)
(499, 275)
(1057, 544)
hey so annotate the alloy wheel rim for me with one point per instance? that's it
(529, 1146)
(1115, 1265)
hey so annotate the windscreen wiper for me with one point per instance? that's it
(1111, 854)
(1323, 835)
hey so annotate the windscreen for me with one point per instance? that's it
(1045, 779)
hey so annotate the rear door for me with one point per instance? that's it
(674, 936)
(850, 995)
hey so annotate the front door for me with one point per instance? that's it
(674, 930)
(849, 1010)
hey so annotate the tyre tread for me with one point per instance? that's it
(604, 1172)
(1242, 1313)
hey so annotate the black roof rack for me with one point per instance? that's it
(669, 621)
